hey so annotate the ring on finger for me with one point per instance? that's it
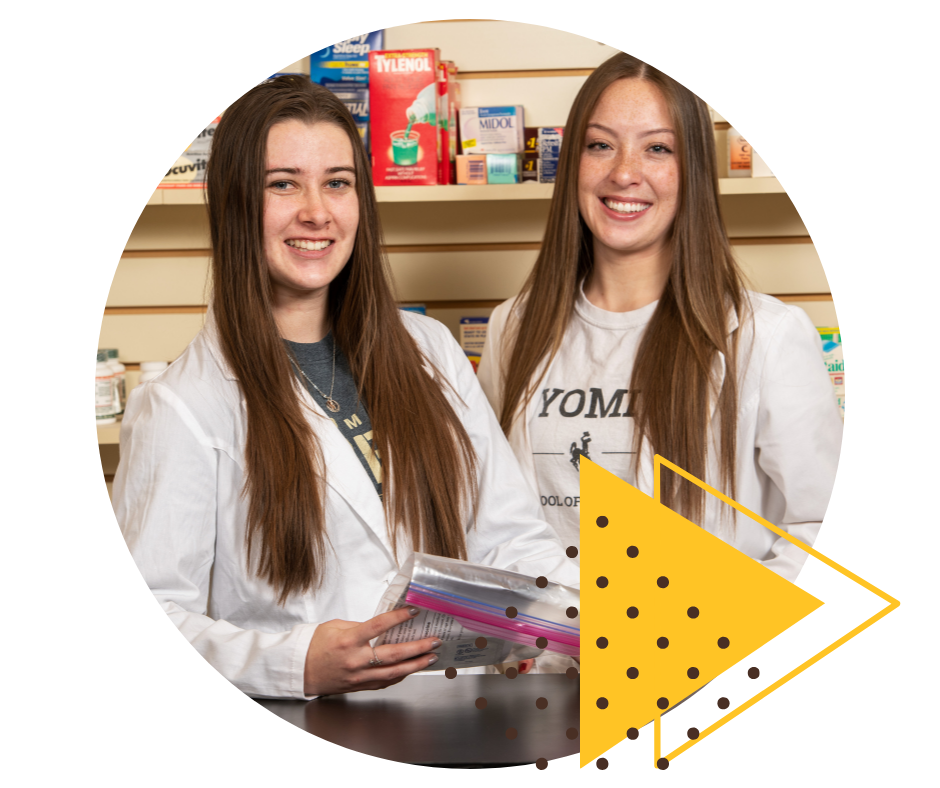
(375, 661)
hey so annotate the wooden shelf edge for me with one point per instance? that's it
(494, 192)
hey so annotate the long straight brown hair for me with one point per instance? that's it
(671, 386)
(428, 460)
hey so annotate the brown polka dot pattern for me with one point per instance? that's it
(662, 763)
(663, 642)
(572, 673)
(633, 551)
(663, 703)
(541, 703)
(602, 521)
(511, 612)
(723, 642)
(723, 703)
(572, 552)
(602, 582)
(692, 612)
(693, 733)
(602, 643)
(541, 763)
(541, 642)
(572, 733)
(511, 673)
(541, 582)
(632, 734)
(753, 673)
(602, 703)
(572, 612)
(511, 733)
(602, 763)
(692, 673)
(632, 673)
(662, 582)
(480, 703)
(451, 673)
(632, 612)
(480, 642)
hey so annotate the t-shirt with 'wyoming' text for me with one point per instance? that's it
(583, 409)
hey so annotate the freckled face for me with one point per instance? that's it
(628, 182)
(311, 210)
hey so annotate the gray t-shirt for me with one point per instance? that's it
(352, 420)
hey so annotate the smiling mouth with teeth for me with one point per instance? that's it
(626, 207)
(309, 246)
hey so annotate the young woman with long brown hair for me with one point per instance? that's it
(274, 478)
(634, 333)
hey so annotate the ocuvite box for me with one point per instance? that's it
(406, 137)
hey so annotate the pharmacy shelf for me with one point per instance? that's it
(510, 191)
(109, 433)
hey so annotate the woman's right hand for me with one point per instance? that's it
(339, 654)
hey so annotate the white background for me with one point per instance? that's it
(101, 97)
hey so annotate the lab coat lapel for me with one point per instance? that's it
(344, 473)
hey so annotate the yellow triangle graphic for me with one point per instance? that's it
(674, 605)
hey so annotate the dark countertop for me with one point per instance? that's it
(434, 721)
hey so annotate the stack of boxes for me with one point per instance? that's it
(491, 143)
(343, 69)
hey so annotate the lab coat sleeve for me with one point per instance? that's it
(509, 532)
(165, 500)
(799, 435)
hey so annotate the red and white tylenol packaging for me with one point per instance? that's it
(406, 134)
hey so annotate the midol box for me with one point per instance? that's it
(189, 171)
(344, 70)
(404, 98)
(492, 129)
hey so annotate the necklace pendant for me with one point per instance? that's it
(332, 404)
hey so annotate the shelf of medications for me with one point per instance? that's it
(516, 191)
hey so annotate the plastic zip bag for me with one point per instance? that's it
(461, 602)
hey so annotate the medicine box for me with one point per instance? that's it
(471, 170)
(189, 170)
(503, 167)
(549, 140)
(835, 365)
(404, 106)
(472, 337)
(343, 69)
(492, 129)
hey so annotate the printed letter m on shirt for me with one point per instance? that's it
(613, 407)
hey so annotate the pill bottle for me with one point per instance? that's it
(120, 383)
(739, 155)
(105, 412)
(151, 369)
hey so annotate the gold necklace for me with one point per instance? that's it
(331, 403)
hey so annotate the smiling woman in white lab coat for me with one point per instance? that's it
(276, 475)
(635, 334)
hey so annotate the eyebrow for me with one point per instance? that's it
(644, 134)
(297, 171)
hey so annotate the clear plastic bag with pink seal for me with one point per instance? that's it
(461, 602)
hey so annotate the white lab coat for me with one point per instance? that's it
(789, 431)
(177, 497)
